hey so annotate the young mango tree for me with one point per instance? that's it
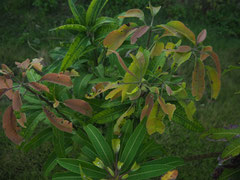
(106, 98)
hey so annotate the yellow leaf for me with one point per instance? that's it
(115, 38)
(215, 81)
(134, 13)
(114, 93)
(157, 49)
(198, 81)
(167, 108)
(180, 58)
(169, 46)
(170, 175)
(154, 121)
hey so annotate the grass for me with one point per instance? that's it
(176, 140)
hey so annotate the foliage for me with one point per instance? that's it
(73, 94)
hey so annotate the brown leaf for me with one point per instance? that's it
(38, 86)
(6, 84)
(170, 175)
(202, 36)
(22, 120)
(217, 63)
(183, 49)
(198, 81)
(80, 106)
(36, 63)
(10, 126)
(24, 65)
(205, 52)
(55, 78)
(169, 90)
(139, 33)
(59, 123)
(16, 101)
(148, 106)
(167, 108)
(133, 13)
(7, 70)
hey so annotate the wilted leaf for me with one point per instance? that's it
(170, 175)
(167, 108)
(214, 80)
(157, 49)
(59, 123)
(7, 85)
(154, 121)
(133, 13)
(38, 86)
(22, 120)
(10, 126)
(24, 65)
(80, 106)
(198, 81)
(202, 36)
(57, 79)
(139, 33)
(116, 38)
(121, 121)
(16, 101)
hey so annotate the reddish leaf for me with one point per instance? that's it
(123, 64)
(59, 123)
(204, 52)
(36, 63)
(167, 108)
(169, 90)
(16, 101)
(61, 79)
(148, 106)
(24, 65)
(6, 69)
(80, 106)
(139, 33)
(38, 87)
(202, 36)
(6, 84)
(10, 126)
(22, 120)
(183, 49)
(2, 91)
(198, 81)
(217, 63)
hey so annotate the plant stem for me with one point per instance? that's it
(150, 33)
(201, 156)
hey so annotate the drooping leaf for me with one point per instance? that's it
(16, 101)
(6, 70)
(133, 13)
(100, 145)
(94, 10)
(74, 27)
(10, 126)
(59, 123)
(116, 38)
(202, 36)
(155, 120)
(139, 33)
(38, 87)
(198, 81)
(217, 63)
(214, 81)
(6, 84)
(170, 175)
(132, 145)
(233, 149)
(80, 106)
(75, 51)
(149, 171)
(88, 168)
(55, 78)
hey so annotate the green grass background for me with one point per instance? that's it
(33, 26)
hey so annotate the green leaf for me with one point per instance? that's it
(180, 58)
(170, 161)
(214, 81)
(94, 10)
(39, 139)
(89, 153)
(198, 81)
(127, 130)
(75, 51)
(103, 21)
(58, 142)
(154, 10)
(149, 171)
(88, 168)
(221, 133)
(108, 115)
(81, 84)
(233, 149)
(132, 145)
(100, 145)
(230, 174)
(78, 14)
(74, 27)
(133, 13)
(66, 175)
